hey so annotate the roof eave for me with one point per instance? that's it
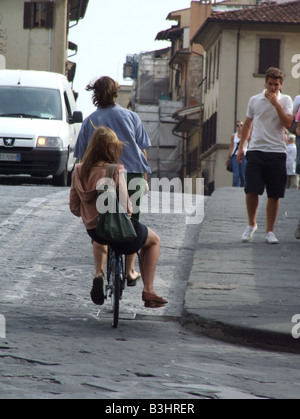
(198, 37)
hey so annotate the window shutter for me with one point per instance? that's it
(28, 15)
(50, 15)
(269, 54)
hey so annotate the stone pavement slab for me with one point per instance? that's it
(246, 292)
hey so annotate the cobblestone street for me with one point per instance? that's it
(57, 347)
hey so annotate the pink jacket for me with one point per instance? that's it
(83, 195)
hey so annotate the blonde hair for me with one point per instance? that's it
(104, 146)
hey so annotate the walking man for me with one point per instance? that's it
(268, 115)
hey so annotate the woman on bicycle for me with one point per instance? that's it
(130, 131)
(105, 149)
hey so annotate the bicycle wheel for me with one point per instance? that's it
(115, 298)
(116, 290)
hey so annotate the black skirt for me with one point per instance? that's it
(125, 248)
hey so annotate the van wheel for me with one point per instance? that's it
(62, 179)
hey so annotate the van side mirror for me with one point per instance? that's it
(77, 118)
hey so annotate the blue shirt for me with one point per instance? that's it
(129, 129)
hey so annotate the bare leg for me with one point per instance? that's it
(252, 202)
(130, 271)
(149, 257)
(100, 256)
(272, 213)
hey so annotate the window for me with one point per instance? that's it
(68, 106)
(34, 102)
(39, 14)
(269, 54)
(39, 20)
(218, 59)
(209, 133)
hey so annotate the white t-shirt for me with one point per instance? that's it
(291, 159)
(268, 133)
(296, 104)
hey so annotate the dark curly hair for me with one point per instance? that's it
(105, 92)
(274, 73)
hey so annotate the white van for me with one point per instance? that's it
(39, 125)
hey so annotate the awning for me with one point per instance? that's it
(189, 119)
(78, 9)
(170, 34)
(187, 125)
(71, 70)
(180, 57)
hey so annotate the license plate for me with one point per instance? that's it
(10, 157)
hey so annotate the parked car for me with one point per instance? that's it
(39, 125)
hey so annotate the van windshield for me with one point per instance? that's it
(30, 102)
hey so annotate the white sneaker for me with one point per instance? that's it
(271, 238)
(249, 233)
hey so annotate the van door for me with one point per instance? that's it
(74, 128)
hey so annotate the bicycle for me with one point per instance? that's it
(116, 279)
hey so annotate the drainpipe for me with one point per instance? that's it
(238, 36)
(184, 139)
(50, 49)
(50, 46)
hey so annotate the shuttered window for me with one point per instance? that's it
(38, 14)
(269, 54)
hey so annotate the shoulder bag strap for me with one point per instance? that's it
(110, 171)
(236, 149)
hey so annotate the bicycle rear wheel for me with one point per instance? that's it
(116, 282)
(115, 299)
(116, 288)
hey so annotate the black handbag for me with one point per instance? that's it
(229, 165)
(114, 225)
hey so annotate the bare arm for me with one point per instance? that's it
(146, 157)
(285, 119)
(230, 151)
(246, 132)
(74, 200)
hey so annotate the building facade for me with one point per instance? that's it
(34, 34)
(239, 47)
(187, 80)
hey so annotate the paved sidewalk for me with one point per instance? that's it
(246, 293)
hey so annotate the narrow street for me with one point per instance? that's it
(57, 343)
